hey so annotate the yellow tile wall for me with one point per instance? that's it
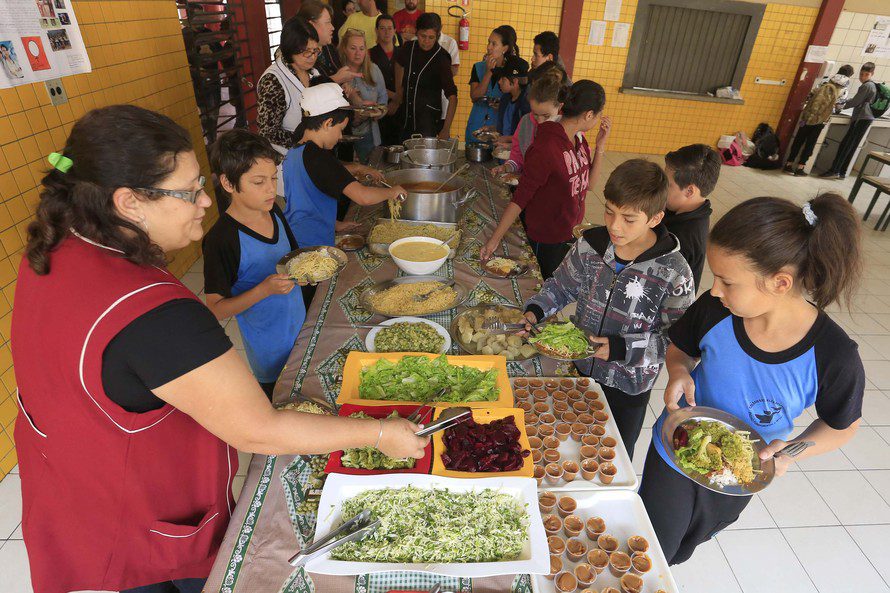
(137, 56)
(528, 18)
(655, 125)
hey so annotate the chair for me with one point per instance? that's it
(881, 185)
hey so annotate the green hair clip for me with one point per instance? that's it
(60, 162)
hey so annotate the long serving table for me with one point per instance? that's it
(266, 527)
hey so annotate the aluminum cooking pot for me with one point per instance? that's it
(429, 158)
(393, 154)
(446, 205)
(478, 152)
(418, 141)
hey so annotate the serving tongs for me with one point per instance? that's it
(353, 530)
(419, 298)
(450, 417)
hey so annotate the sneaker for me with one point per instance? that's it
(799, 172)
(841, 176)
(787, 169)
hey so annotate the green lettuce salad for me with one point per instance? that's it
(562, 339)
(371, 458)
(418, 378)
(442, 526)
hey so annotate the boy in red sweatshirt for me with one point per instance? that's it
(552, 192)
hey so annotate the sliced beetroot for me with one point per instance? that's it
(492, 447)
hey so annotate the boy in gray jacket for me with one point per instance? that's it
(860, 121)
(631, 283)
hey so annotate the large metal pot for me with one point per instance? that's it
(393, 154)
(443, 206)
(478, 152)
(418, 141)
(429, 158)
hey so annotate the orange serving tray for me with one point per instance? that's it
(356, 361)
(484, 416)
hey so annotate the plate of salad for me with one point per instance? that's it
(563, 341)
(365, 461)
(717, 450)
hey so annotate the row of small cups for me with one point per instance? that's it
(551, 383)
(583, 416)
(570, 397)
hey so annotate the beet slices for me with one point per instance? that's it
(492, 447)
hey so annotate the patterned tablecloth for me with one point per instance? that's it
(267, 527)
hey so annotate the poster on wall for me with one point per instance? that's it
(39, 40)
(878, 43)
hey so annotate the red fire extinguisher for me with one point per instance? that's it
(463, 27)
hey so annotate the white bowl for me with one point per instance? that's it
(369, 340)
(418, 268)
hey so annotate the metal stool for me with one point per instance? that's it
(881, 185)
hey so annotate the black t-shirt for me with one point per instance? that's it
(770, 389)
(691, 228)
(437, 76)
(326, 171)
(386, 65)
(222, 250)
(158, 347)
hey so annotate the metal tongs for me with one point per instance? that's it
(450, 417)
(355, 529)
(370, 179)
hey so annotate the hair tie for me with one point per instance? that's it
(808, 213)
(60, 162)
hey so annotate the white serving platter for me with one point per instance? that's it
(625, 515)
(369, 339)
(534, 558)
(625, 479)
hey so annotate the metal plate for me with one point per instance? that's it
(337, 254)
(767, 468)
(358, 241)
(522, 269)
(455, 333)
(382, 249)
(552, 356)
(462, 293)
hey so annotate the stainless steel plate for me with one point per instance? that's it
(766, 468)
(333, 252)
(548, 354)
(519, 271)
(469, 348)
(382, 249)
(462, 293)
(350, 242)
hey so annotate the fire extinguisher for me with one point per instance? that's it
(463, 28)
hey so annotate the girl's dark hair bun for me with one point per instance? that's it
(581, 97)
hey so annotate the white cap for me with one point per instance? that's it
(322, 99)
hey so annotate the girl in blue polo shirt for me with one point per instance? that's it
(756, 347)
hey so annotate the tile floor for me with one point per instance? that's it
(824, 527)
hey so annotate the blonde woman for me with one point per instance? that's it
(370, 89)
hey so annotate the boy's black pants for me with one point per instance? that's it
(628, 412)
(684, 513)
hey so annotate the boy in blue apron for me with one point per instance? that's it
(241, 250)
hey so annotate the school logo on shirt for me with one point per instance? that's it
(764, 411)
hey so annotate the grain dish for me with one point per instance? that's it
(409, 337)
(399, 298)
(389, 232)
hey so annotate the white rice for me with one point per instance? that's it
(724, 478)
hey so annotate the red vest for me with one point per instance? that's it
(111, 499)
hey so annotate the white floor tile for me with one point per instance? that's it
(243, 463)
(831, 461)
(14, 573)
(718, 577)
(880, 343)
(876, 408)
(17, 534)
(878, 373)
(822, 561)
(880, 480)
(755, 516)
(234, 334)
(869, 352)
(867, 450)
(640, 450)
(762, 562)
(15, 469)
(237, 485)
(883, 319)
(10, 505)
(852, 499)
(792, 501)
(874, 541)
(649, 420)
(194, 282)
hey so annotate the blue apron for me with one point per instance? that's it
(310, 212)
(481, 114)
(270, 327)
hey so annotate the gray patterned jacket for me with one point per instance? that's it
(634, 307)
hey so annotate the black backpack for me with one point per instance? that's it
(766, 148)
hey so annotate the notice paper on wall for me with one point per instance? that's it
(878, 43)
(816, 54)
(619, 34)
(613, 10)
(39, 40)
(597, 33)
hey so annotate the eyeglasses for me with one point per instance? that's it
(311, 53)
(190, 196)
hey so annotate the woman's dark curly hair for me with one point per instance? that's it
(112, 147)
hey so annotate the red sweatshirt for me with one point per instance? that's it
(554, 184)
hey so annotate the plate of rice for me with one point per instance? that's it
(395, 298)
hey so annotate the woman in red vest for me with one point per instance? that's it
(132, 400)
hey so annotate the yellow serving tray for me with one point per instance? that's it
(484, 416)
(356, 361)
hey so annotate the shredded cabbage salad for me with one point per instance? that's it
(417, 378)
(371, 458)
(419, 525)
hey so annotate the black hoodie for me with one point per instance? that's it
(691, 228)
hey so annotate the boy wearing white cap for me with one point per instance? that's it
(313, 176)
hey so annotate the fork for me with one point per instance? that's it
(419, 298)
(498, 326)
(795, 449)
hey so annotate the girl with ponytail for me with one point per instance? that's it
(760, 346)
